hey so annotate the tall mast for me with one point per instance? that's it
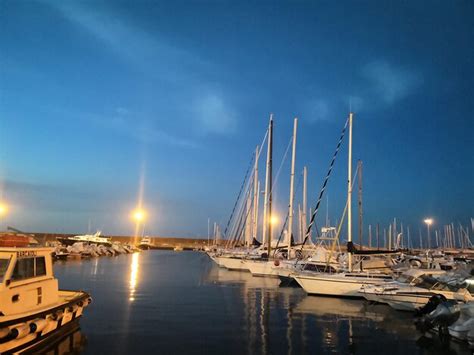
(305, 202)
(248, 222)
(359, 170)
(270, 184)
(267, 186)
(349, 192)
(292, 183)
(255, 196)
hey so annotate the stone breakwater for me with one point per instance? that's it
(160, 242)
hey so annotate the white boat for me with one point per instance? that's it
(32, 308)
(271, 268)
(87, 238)
(231, 262)
(145, 243)
(344, 284)
(413, 289)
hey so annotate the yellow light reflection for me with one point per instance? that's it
(273, 219)
(133, 276)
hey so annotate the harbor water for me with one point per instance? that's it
(180, 302)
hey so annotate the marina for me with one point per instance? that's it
(148, 305)
(236, 177)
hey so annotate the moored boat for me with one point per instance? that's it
(32, 308)
(87, 238)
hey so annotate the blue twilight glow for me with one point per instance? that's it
(105, 106)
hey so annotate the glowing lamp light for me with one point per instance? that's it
(3, 208)
(428, 221)
(273, 220)
(138, 215)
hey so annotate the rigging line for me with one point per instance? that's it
(243, 201)
(242, 228)
(238, 196)
(331, 165)
(241, 213)
(281, 164)
(243, 183)
(279, 169)
(287, 216)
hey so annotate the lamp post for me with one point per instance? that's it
(429, 222)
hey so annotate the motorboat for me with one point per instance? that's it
(87, 239)
(145, 244)
(413, 289)
(32, 307)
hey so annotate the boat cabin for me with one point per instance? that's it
(26, 280)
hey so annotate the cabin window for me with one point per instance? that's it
(3, 268)
(29, 267)
(40, 266)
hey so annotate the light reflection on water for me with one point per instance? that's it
(134, 265)
(167, 302)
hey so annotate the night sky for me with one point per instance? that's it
(100, 98)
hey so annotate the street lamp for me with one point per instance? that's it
(139, 216)
(3, 208)
(429, 222)
(273, 220)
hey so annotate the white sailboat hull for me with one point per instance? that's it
(231, 263)
(339, 285)
(271, 268)
(262, 268)
(406, 300)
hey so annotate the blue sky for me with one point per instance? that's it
(98, 96)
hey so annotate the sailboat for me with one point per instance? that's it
(235, 258)
(342, 284)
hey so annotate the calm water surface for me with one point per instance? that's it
(167, 302)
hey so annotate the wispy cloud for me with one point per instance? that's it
(127, 40)
(125, 122)
(142, 129)
(389, 82)
(184, 70)
(214, 115)
(382, 85)
(318, 110)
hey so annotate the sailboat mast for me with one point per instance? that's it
(305, 201)
(359, 169)
(270, 184)
(255, 196)
(349, 192)
(267, 188)
(292, 185)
